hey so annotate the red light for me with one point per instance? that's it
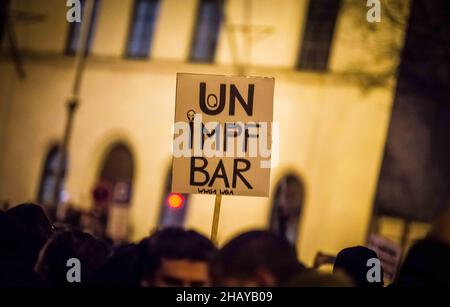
(175, 200)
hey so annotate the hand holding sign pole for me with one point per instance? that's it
(222, 137)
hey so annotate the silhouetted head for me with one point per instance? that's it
(11, 236)
(176, 257)
(16, 264)
(426, 265)
(57, 258)
(255, 258)
(34, 226)
(33, 220)
(427, 262)
(122, 269)
(356, 263)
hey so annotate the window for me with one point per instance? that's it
(206, 31)
(75, 29)
(49, 177)
(173, 206)
(112, 194)
(142, 27)
(318, 34)
(118, 165)
(286, 207)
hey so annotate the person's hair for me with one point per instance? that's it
(425, 265)
(51, 266)
(353, 261)
(11, 236)
(313, 278)
(243, 256)
(16, 263)
(35, 229)
(33, 221)
(122, 269)
(174, 244)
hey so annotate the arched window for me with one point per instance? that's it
(287, 207)
(113, 191)
(49, 177)
(173, 206)
(118, 165)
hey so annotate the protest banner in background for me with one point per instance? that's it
(388, 252)
(222, 135)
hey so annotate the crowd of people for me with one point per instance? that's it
(35, 253)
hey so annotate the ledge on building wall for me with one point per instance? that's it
(170, 66)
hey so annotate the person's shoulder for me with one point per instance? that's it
(315, 278)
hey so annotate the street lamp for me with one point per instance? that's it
(73, 101)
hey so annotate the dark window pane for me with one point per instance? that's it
(118, 165)
(206, 31)
(75, 29)
(318, 34)
(49, 174)
(142, 27)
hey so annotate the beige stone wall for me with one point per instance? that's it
(332, 132)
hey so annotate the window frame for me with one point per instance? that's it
(304, 62)
(131, 24)
(91, 34)
(194, 37)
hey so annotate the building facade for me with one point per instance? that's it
(332, 128)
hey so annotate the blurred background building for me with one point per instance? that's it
(335, 83)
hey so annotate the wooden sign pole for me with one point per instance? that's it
(215, 223)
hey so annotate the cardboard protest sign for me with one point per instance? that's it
(222, 135)
(388, 252)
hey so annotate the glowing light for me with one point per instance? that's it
(175, 200)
